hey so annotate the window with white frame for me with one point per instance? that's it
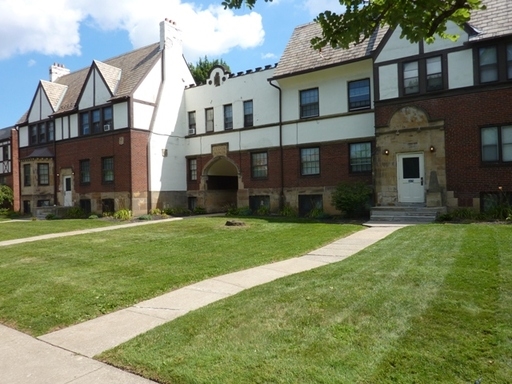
(496, 144)
(209, 119)
(309, 104)
(360, 157)
(310, 161)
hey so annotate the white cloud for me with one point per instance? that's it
(31, 63)
(314, 7)
(35, 26)
(269, 56)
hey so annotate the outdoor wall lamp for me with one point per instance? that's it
(386, 152)
(432, 148)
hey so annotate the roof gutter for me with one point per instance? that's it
(281, 154)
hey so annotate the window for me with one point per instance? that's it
(26, 175)
(42, 133)
(5, 152)
(43, 203)
(411, 78)
(309, 103)
(434, 74)
(43, 174)
(209, 119)
(248, 114)
(359, 94)
(488, 64)
(85, 205)
(228, 116)
(84, 123)
(192, 123)
(85, 171)
(107, 169)
(260, 204)
(192, 168)
(33, 134)
(259, 165)
(96, 121)
(360, 157)
(310, 161)
(497, 144)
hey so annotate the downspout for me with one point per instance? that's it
(281, 155)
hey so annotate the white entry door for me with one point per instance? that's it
(411, 177)
(68, 193)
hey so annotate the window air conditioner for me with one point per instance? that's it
(106, 127)
(192, 131)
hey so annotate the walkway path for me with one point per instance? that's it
(65, 356)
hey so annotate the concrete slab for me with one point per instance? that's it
(26, 360)
(251, 277)
(295, 265)
(95, 336)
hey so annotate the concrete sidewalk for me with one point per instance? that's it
(65, 356)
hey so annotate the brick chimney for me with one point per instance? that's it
(58, 70)
(170, 35)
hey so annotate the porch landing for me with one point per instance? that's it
(406, 214)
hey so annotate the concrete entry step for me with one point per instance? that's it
(405, 214)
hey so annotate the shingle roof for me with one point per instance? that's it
(5, 133)
(495, 21)
(299, 56)
(54, 92)
(121, 73)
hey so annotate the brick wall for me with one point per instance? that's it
(463, 115)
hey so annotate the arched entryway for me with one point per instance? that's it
(220, 182)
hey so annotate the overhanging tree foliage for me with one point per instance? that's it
(202, 68)
(6, 196)
(418, 19)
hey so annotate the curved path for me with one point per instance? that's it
(65, 356)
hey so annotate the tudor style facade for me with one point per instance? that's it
(442, 117)
(425, 124)
(9, 170)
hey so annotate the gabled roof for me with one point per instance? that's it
(54, 92)
(40, 153)
(5, 133)
(300, 57)
(111, 75)
(493, 22)
(122, 74)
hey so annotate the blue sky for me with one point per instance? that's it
(35, 34)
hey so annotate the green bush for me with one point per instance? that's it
(51, 216)
(199, 211)
(242, 211)
(352, 199)
(93, 217)
(155, 211)
(263, 211)
(6, 196)
(146, 217)
(123, 214)
(75, 213)
(177, 211)
(317, 213)
(288, 211)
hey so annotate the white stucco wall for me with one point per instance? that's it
(41, 107)
(440, 44)
(460, 69)
(388, 81)
(120, 113)
(142, 115)
(397, 48)
(23, 137)
(148, 90)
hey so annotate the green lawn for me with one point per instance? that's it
(26, 228)
(51, 284)
(428, 304)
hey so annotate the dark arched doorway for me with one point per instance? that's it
(220, 182)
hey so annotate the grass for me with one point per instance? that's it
(55, 283)
(27, 228)
(428, 304)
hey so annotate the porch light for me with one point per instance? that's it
(432, 148)
(386, 152)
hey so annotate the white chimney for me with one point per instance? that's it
(170, 35)
(57, 71)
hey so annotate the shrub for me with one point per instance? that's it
(199, 211)
(123, 214)
(93, 217)
(288, 211)
(51, 216)
(317, 213)
(155, 211)
(177, 211)
(242, 211)
(75, 213)
(352, 199)
(263, 211)
(6, 196)
(145, 217)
